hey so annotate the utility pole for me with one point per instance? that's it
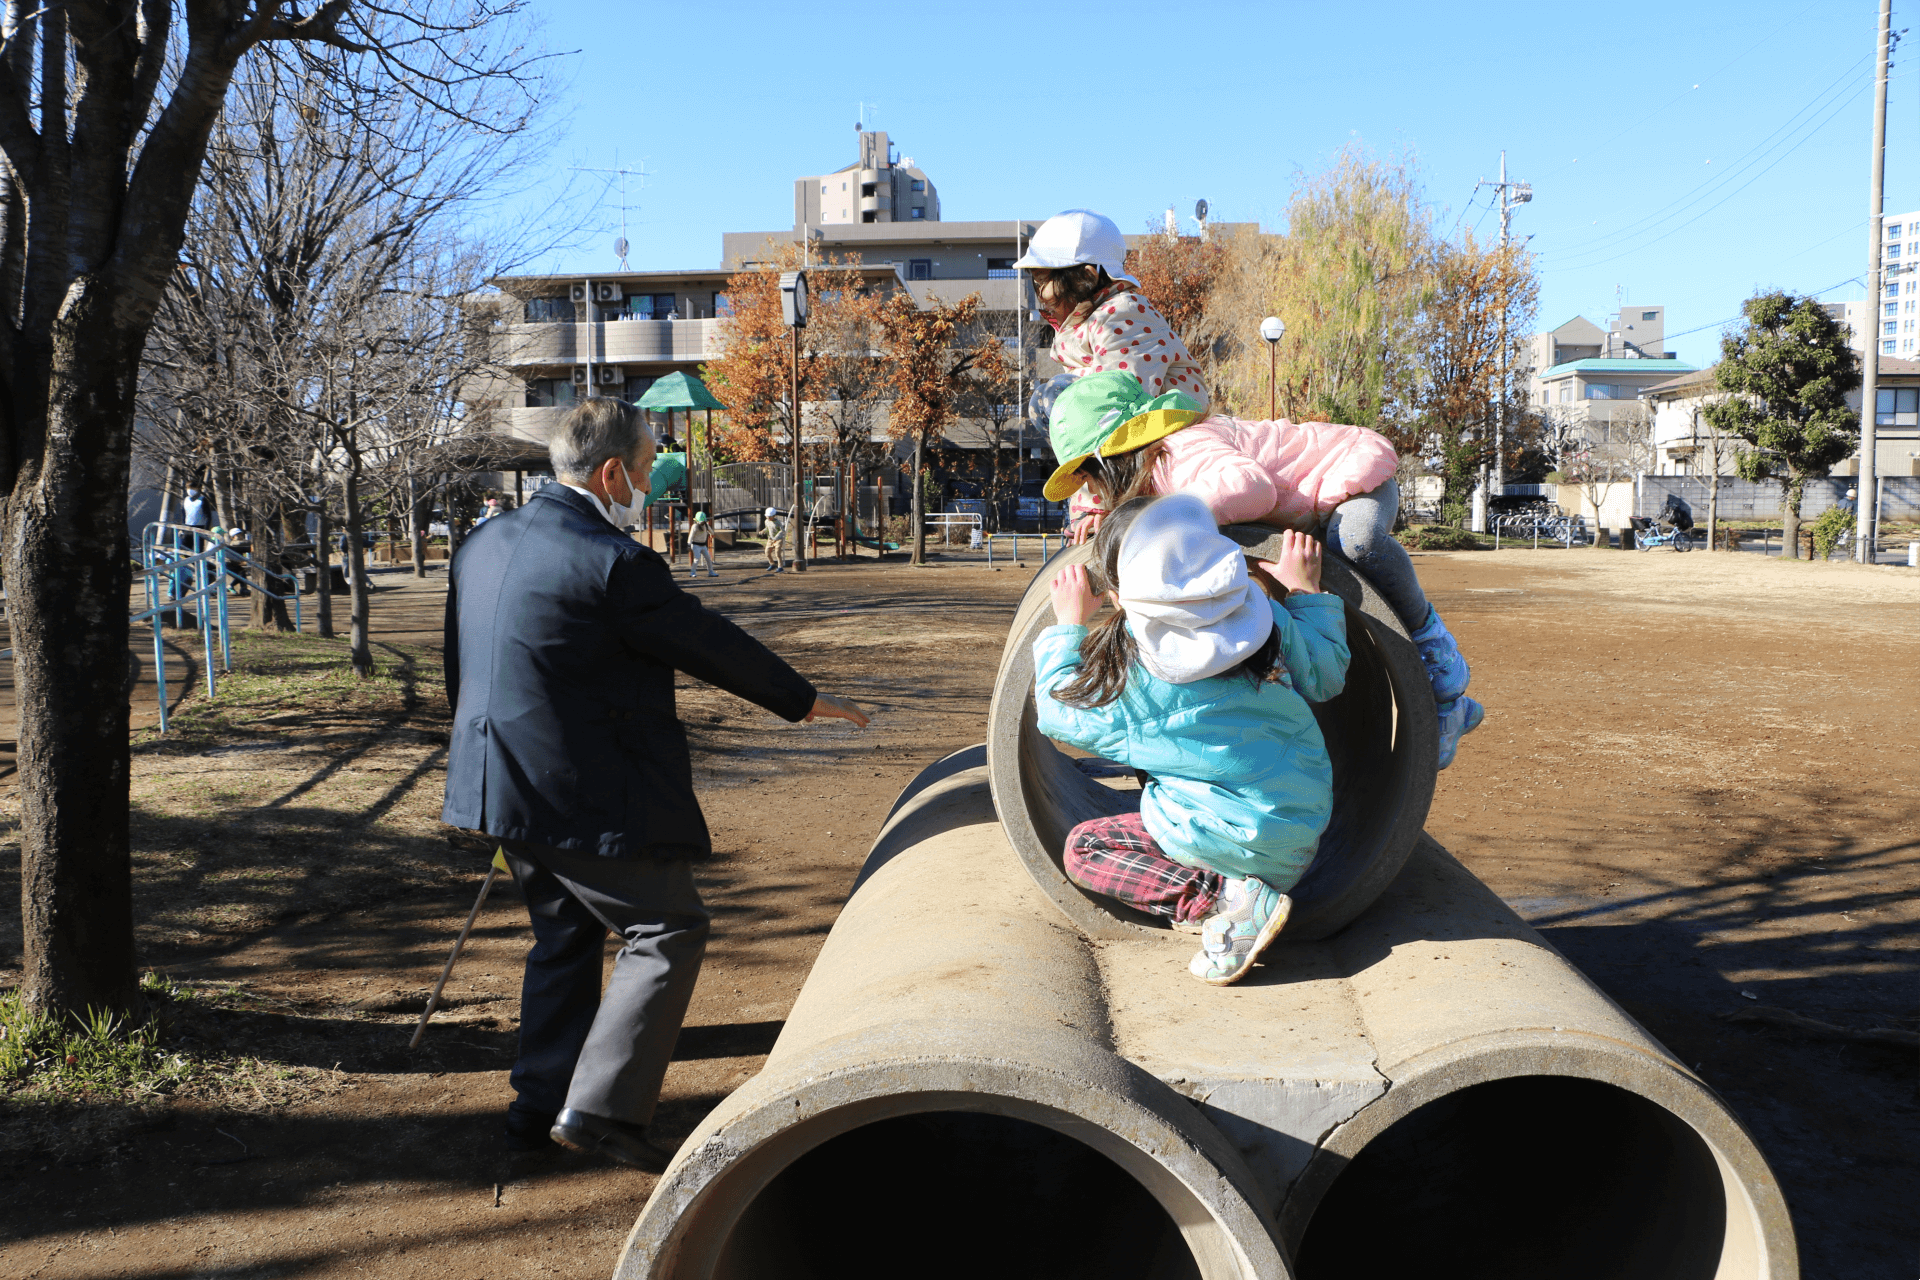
(1511, 196)
(1867, 509)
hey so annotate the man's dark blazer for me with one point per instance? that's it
(563, 635)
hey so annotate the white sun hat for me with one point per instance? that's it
(1191, 606)
(1076, 236)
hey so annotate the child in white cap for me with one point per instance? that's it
(1202, 682)
(1078, 263)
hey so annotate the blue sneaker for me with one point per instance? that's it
(1251, 914)
(1458, 718)
(1440, 654)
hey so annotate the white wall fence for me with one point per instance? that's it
(1760, 499)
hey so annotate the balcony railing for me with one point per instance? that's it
(614, 342)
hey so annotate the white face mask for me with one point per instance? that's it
(626, 513)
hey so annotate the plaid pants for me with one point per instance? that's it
(1117, 857)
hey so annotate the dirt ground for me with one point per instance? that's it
(1699, 777)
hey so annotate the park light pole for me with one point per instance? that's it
(793, 310)
(1273, 328)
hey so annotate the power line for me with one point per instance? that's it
(1753, 154)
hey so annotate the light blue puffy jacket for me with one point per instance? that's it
(1241, 781)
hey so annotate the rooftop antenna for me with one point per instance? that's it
(620, 246)
(867, 111)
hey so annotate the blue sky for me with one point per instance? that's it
(1687, 154)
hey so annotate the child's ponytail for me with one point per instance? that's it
(1108, 650)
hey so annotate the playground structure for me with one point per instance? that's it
(990, 1071)
(184, 568)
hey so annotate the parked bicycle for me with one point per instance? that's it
(1672, 528)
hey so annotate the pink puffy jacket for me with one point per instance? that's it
(1289, 474)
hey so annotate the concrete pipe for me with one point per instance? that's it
(1381, 734)
(943, 1099)
(967, 1086)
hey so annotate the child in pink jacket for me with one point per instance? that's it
(1114, 439)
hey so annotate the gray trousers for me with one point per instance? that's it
(1361, 528)
(607, 1054)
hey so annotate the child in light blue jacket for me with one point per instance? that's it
(1201, 681)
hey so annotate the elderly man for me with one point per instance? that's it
(563, 636)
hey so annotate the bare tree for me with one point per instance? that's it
(1616, 446)
(106, 107)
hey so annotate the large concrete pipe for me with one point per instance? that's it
(1381, 734)
(944, 1100)
(968, 1086)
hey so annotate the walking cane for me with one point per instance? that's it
(433, 1001)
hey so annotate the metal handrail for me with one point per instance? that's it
(1044, 537)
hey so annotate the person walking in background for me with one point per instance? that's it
(700, 545)
(775, 529)
(194, 511)
(563, 635)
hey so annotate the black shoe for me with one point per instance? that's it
(613, 1139)
(528, 1131)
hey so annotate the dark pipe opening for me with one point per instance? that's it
(1522, 1179)
(960, 1194)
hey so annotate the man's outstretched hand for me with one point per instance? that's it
(830, 707)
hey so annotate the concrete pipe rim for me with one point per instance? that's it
(1758, 1239)
(1382, 795)
(703, 1195)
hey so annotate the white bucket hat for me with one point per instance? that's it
(1190, 604)
(1076, 236)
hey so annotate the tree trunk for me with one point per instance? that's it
(358, 648)
(1713, 507)
(166, 494)
(919, 501)
(67, 579)
(1790, 517)
(323, 575)
(419, 513)
(268, 537)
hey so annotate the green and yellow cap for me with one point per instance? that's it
(1109, 413)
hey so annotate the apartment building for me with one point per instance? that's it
(1898, 322)
(877, 187)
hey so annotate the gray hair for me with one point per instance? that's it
(598, 428)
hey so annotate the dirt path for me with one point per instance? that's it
(1698, 776)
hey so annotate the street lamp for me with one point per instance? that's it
(1273, 328)
(793, 310)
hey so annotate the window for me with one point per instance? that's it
(843, 186)
(1893, 289)
(918, 212)
(1886, 348)
(1890, 327)
(722, 305)
(1892, 309)
(637, 387)
(549, 393)
(1893, 231)
(1893, 251)
(1649, 315)
(1608, 391)
(917, 184)
(920, 268)
(823, 188)
(547, 310)
(649, 306)
(1566, 393)
(1897, 407)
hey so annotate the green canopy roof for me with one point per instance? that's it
(679, 391)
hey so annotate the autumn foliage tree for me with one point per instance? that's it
(1471, 353)
(932, 352)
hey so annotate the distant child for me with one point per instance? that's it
(774, 530)
(1200, 681)
(1077, 262)
(700, 546)
(1116, 441)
